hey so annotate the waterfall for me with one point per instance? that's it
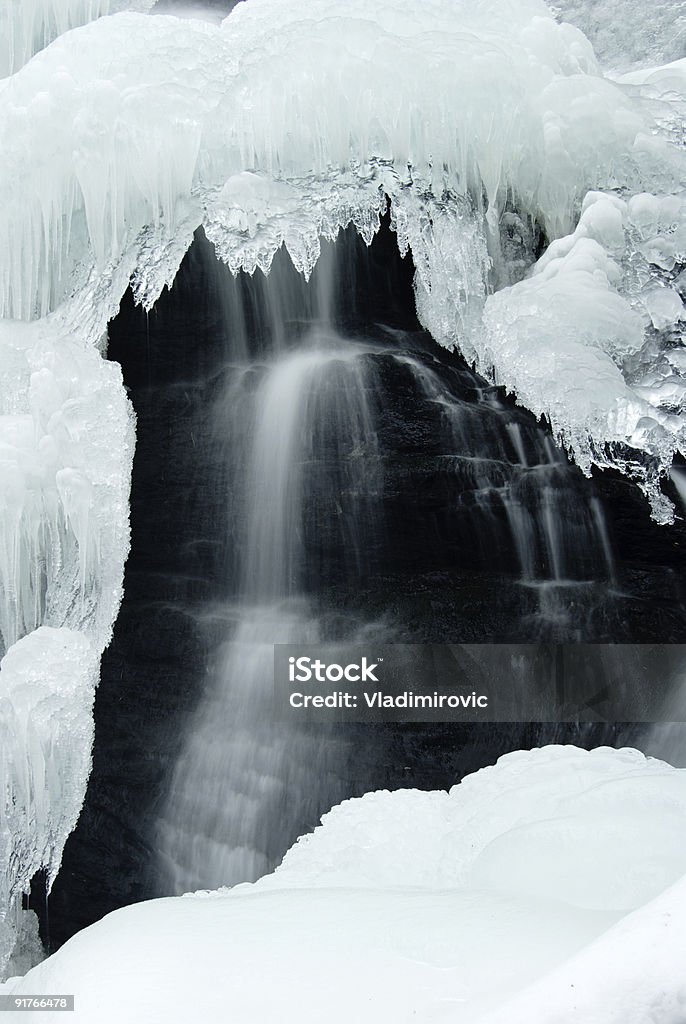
(559, 534)
(318, 390)
(302, 419)
(299, 432)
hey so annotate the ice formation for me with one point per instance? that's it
(26, 26)
(626, 33)
(66, 445)
(533, 885)
(122, 137)
(48, 682)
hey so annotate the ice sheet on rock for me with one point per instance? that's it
(47, 684)
(26, 26)
(421, 898)
(28, 948)
(662, 89)
(66, 447)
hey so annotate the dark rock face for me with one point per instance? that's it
(434, 554)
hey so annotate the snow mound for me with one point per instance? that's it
(633, 974)
(492, 902)
(507, 828)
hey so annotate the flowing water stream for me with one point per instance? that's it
(304, 423)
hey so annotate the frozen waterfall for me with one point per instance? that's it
(542, 199)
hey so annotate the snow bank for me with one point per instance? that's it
(633, 974)
(494, 898)
(508, 828)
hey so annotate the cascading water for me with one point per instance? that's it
(560, 535)
(298, 427)
(304, 423)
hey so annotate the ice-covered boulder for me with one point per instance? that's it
(590, 338)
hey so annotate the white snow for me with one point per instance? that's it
(499, 898)
(633, 974)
